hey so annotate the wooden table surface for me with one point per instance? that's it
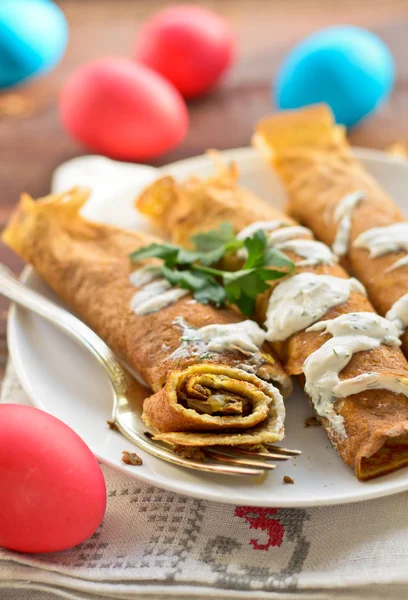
(33, 145)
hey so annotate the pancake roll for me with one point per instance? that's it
(330, 192)
(213, 378)
(318, 320)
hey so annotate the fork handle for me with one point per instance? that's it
(17, 292)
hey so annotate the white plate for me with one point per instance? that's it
(62, 379)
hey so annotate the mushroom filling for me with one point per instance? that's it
(207, 401)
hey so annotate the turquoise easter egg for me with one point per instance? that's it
(33, 37)
(349, 68)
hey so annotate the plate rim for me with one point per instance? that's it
(370, 154)
(180, 487)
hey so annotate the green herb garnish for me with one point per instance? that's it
(194, 269)
(216, 238)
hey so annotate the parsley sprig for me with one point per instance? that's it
(197, 270)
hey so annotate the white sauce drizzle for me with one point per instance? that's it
(155, 296)
(372, 381)
(288, 233)
(264, 225)
(342, 215)
(352, 332)
(249, 230)
(384, 240)
(192, 344)
(288, 238)
(402, 262)
(367, 323)
(312, 251)
(144, 275)
(303, 299)
(246, 335)
(398, 313)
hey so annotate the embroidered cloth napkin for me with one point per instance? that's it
(157, 545)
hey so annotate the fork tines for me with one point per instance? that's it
(287, 451)
(234, 459)
(221, 459)
(250, 458)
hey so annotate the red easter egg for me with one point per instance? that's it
(52, 491)
(123, 110)
(189, 45)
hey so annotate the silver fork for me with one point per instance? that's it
(218, 459)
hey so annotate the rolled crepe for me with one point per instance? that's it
(181, 210)
(321, 175)
(375, 421)
(202, 394)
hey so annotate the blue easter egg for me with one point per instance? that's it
(349, 68)
(33, 37)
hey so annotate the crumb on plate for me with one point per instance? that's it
(287, 479)
(131, 458)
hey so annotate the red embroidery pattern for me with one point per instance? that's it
(260, 518)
